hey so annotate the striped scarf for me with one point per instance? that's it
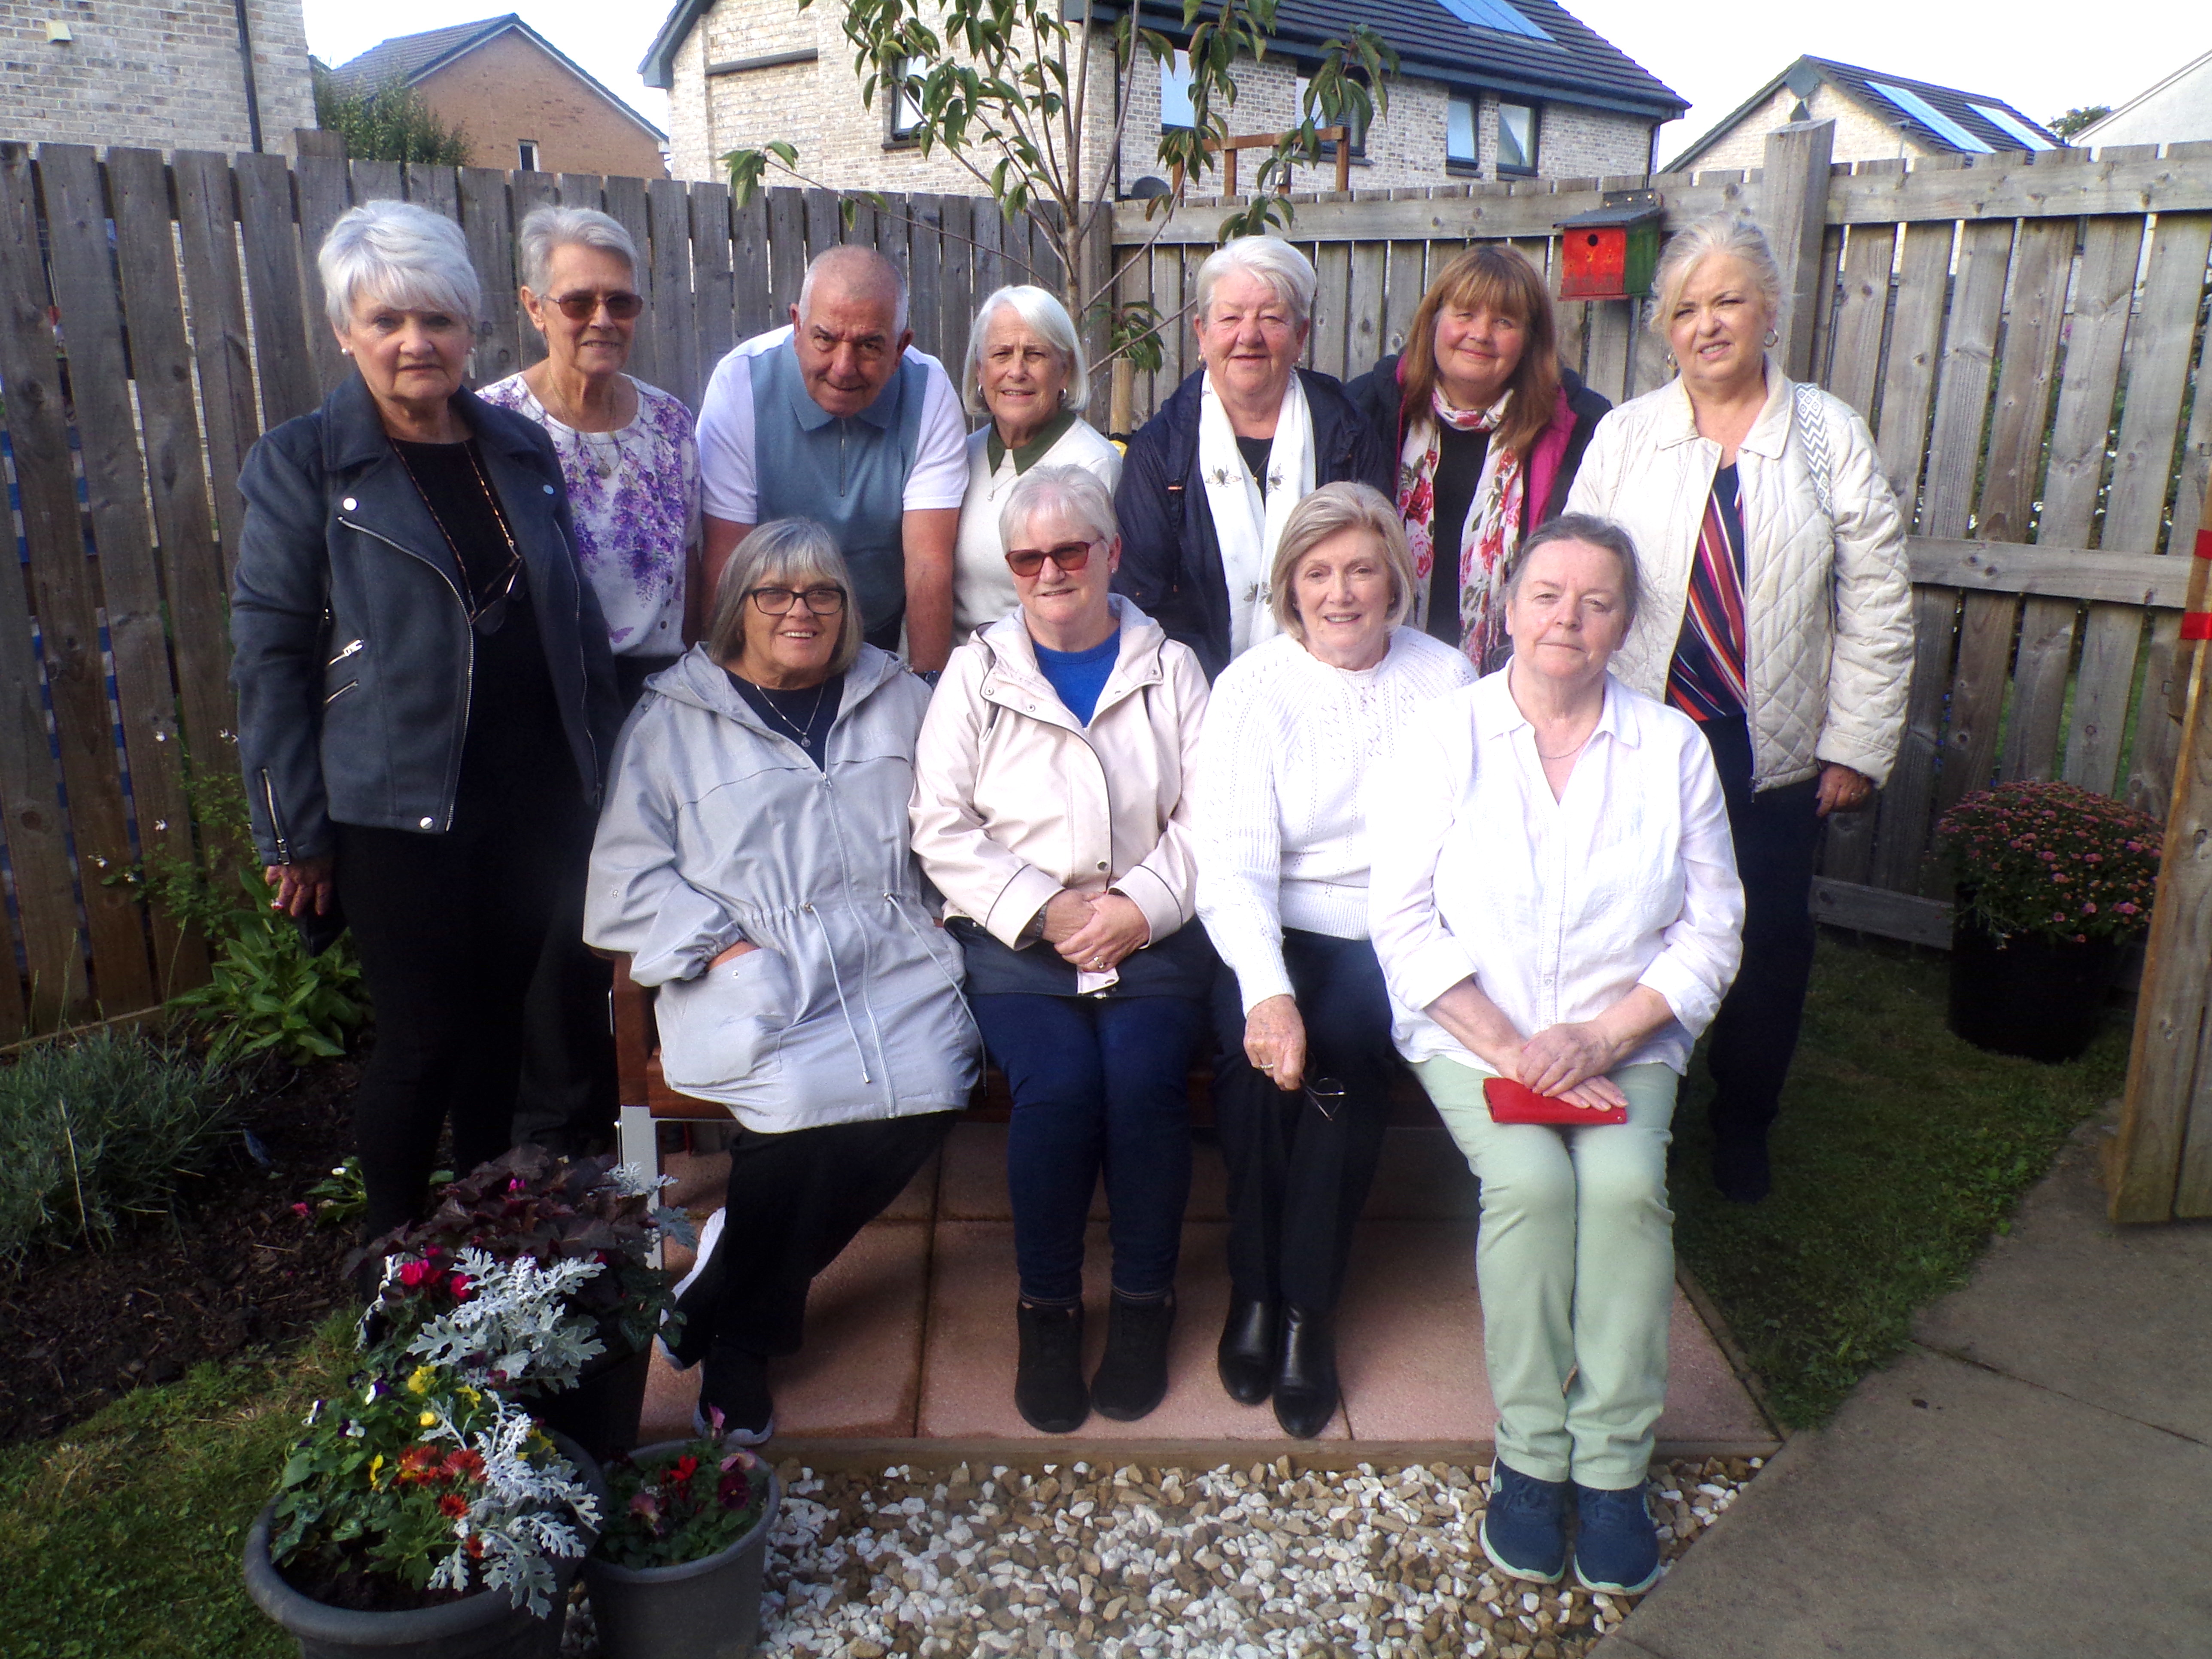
(1706, 680)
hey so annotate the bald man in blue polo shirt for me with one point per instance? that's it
(839, 419)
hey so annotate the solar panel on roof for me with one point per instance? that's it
(2005, 121)
(1494, 15)
(1931, 117)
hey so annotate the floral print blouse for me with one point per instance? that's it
(635, 494)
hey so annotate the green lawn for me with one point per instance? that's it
(1901, 1151)
(122, 1536)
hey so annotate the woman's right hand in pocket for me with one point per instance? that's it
(732, 953)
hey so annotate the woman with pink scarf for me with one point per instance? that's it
(1487, 429)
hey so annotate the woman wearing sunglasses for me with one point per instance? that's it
(752, 861)
(1051, 808)
(1301, 1013)
(426, 702)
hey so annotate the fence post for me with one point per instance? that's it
(2160, 1166)
(315, 141)
(1794, 207)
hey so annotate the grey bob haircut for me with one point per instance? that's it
(400, 253)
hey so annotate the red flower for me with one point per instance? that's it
(681, 1471)
(302, 1211)
(460, 1285)
(417, 1465)
(414, 1272)
(453, 1506)
(464, 1464)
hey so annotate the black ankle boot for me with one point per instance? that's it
(1305, 1377)
(1246, 1358)
(1133, 1378)
(1049, 1389)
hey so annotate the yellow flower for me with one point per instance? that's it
(375, 1468)
(421, 1382)
(471, 1395)
(428, 1419)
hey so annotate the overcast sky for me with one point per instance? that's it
(2041, 55)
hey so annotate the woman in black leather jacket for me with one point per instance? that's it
(426, 696)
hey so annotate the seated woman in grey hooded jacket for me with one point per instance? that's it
(752, 860)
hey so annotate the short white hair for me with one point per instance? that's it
(1042, 312)
(1723, 233)
(403, 254)
(549, 229)
(1270, 258)
(878, 270)
(1073, 491)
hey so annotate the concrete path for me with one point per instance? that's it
(2032, 1478)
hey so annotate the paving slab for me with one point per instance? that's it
(2035, 1491)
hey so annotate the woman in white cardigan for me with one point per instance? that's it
(1775, 612)
(1051, 808)
(1025, 370)
(1302, 1096)
(1555, 905)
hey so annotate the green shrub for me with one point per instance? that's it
(391, 122)
(101, 1128)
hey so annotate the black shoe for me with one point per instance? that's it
(1246, 1358)
(735, 1384)
(1133, 1378)
(1740, 1170)
(1049, 1389)
(1305, 1376)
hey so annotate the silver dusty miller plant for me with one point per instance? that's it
(514, 1327)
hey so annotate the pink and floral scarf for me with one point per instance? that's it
(1487, 540)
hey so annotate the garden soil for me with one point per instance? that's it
(237, 1272)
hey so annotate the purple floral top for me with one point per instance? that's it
(636, 497)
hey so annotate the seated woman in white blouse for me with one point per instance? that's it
(1303, 1094)
(1554, 890)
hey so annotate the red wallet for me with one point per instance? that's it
(1516, 1103)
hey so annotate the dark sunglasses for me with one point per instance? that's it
(583, 307)
(1069, 555)
(778, 601)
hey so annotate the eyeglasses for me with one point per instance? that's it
(778, 601)
(1328, 1096)
(1069, 555)
(583, 307)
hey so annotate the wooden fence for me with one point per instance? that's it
(2025, 336)
(155, 318)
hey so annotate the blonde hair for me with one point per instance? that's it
(1329, 511)
(1738, 239)
(781, 553)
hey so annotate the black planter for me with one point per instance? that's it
(600, 1413)
(2037, 997)
(703, 1609)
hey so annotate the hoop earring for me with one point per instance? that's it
(1773, 336)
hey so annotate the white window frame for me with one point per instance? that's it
(525, 155)
(1472, 161)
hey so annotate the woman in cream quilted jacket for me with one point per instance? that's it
(1776, 612)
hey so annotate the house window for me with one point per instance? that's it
(906, 107)
(1175, 93)
(527, 152)
(1516, 138)
(1352, 119)
(1462, 152)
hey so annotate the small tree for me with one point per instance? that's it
(391, 122)
(1004, 88)
(2075, 119)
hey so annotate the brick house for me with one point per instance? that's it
(220, 74)
(522, 101)
(1878, 117)
(1485, 89)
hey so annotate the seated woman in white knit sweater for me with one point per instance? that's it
(1302, 1093)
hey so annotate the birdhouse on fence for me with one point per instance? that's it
(1610, 253)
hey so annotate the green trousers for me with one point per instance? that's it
(1575, 1267)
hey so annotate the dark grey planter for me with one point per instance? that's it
(704, 1609)
(485, 1626)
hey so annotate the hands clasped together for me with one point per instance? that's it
(1095, 932)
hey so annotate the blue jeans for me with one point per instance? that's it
(1098, 1084)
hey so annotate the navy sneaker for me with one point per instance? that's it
(1524, 1529)
(1616, 1546)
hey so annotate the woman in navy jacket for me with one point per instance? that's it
(426, 696)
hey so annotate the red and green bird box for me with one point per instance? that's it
(1610, 253)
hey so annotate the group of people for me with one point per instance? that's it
(1445, 719)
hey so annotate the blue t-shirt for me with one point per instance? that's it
(1080, 676)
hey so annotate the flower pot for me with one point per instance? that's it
(2039, 998)
(600, 1413)
(704, 1609)
(485, 1625)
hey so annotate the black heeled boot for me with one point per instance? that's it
(1133, 1376)
(1305, 1376)
(1246, 1358)
(1049, 1389)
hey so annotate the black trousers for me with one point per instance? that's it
(796, 1199)
(568, 1088)
(450, 928)
(1776, 833)
(1298, 1180)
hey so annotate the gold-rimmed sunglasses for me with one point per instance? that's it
(583, 307)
